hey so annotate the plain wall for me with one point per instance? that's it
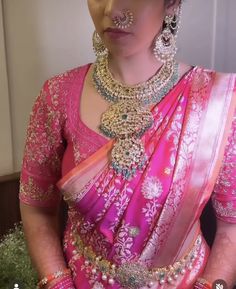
(46, 37)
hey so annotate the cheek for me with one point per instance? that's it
(95, 10)
(90, 6)
(149, 23)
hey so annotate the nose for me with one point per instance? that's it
(113, 9)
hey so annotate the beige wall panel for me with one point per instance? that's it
(6, 165)
(225, 48)
(43, 38)
(196, 32)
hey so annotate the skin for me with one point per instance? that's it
(145, 14)
(222, 262)
(131, 61)
(41, 227)
(134, 52)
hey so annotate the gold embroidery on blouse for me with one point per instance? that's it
(227, 211)
(31, 190)
(76, 151)
(44, 142)
(54, 86)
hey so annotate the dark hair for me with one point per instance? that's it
(170, 2)
(174, 23)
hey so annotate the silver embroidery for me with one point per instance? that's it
(186, 147)
(121, 204)
(152, 188)
(150, 211)
(123, 245)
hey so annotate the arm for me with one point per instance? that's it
(222, 260)
(42, 233)
(41, 169)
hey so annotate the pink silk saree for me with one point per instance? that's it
(152, 219)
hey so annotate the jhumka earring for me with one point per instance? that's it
(124, 21)
(98, 46)
(165, 47)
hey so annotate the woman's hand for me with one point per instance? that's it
(222, 262)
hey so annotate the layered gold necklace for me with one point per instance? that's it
(129, 116)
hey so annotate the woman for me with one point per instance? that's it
(136, 164)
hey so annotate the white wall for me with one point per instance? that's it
(45, 37)
(225, 45)
(207, 36)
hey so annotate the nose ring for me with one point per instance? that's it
(124, 21)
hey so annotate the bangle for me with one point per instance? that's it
(64, 283)
(53, 276)
(202, 283)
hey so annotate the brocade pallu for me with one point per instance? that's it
(145, 231)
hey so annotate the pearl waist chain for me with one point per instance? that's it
(133, 274)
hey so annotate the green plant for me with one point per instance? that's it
(15, 264)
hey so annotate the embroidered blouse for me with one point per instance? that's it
(58, 140)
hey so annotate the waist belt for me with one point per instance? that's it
(133, 274)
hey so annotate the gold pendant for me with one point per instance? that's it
(128, 155)
(127, 121)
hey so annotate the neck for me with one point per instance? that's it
(133, 69)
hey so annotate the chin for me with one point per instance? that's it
(121, 51)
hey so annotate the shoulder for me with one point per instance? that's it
(57, 89)
(210, 73)
(66, 79)
(203, 77)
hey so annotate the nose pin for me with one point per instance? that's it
(125, 20)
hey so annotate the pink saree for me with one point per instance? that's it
(145, 231)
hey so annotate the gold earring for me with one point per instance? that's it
(165, 47)
(98, 46)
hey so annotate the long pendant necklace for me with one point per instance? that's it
(129, 116)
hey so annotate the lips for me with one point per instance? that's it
(115, 33)
(114, 30)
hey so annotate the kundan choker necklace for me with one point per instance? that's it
(129, 116)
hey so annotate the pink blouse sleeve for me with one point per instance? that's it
(224, 196)
(44, 149)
